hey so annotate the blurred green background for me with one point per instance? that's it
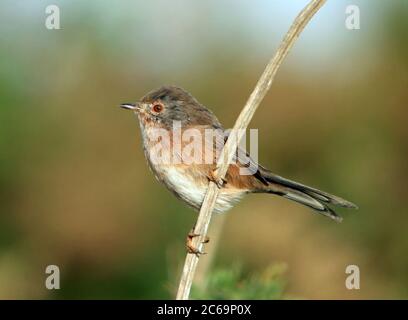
(75, 190)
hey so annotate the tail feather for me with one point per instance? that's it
(311, 197)
(313, 203)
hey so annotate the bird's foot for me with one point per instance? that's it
(189, 244)
(214, 178)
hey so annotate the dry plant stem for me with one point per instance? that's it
(261, 88)
(214, 232)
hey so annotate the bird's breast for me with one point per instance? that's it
(187, 182)
(191, 186)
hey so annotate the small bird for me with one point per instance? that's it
(161, 109)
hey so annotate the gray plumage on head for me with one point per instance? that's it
(181, 106)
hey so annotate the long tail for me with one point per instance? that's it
(311, 197)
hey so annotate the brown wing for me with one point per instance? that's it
(243, 173)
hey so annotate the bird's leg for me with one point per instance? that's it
(189, 243)
(212, 176)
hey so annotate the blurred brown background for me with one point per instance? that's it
(75, 189)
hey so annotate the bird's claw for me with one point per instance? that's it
(189, 244)
(214, 178)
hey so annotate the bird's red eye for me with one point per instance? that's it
(157, 107)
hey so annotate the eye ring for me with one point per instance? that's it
(157, 107)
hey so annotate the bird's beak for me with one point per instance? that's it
(131, 106)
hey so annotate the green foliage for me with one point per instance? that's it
(234, 284)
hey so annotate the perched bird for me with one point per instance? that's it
(160, 110)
